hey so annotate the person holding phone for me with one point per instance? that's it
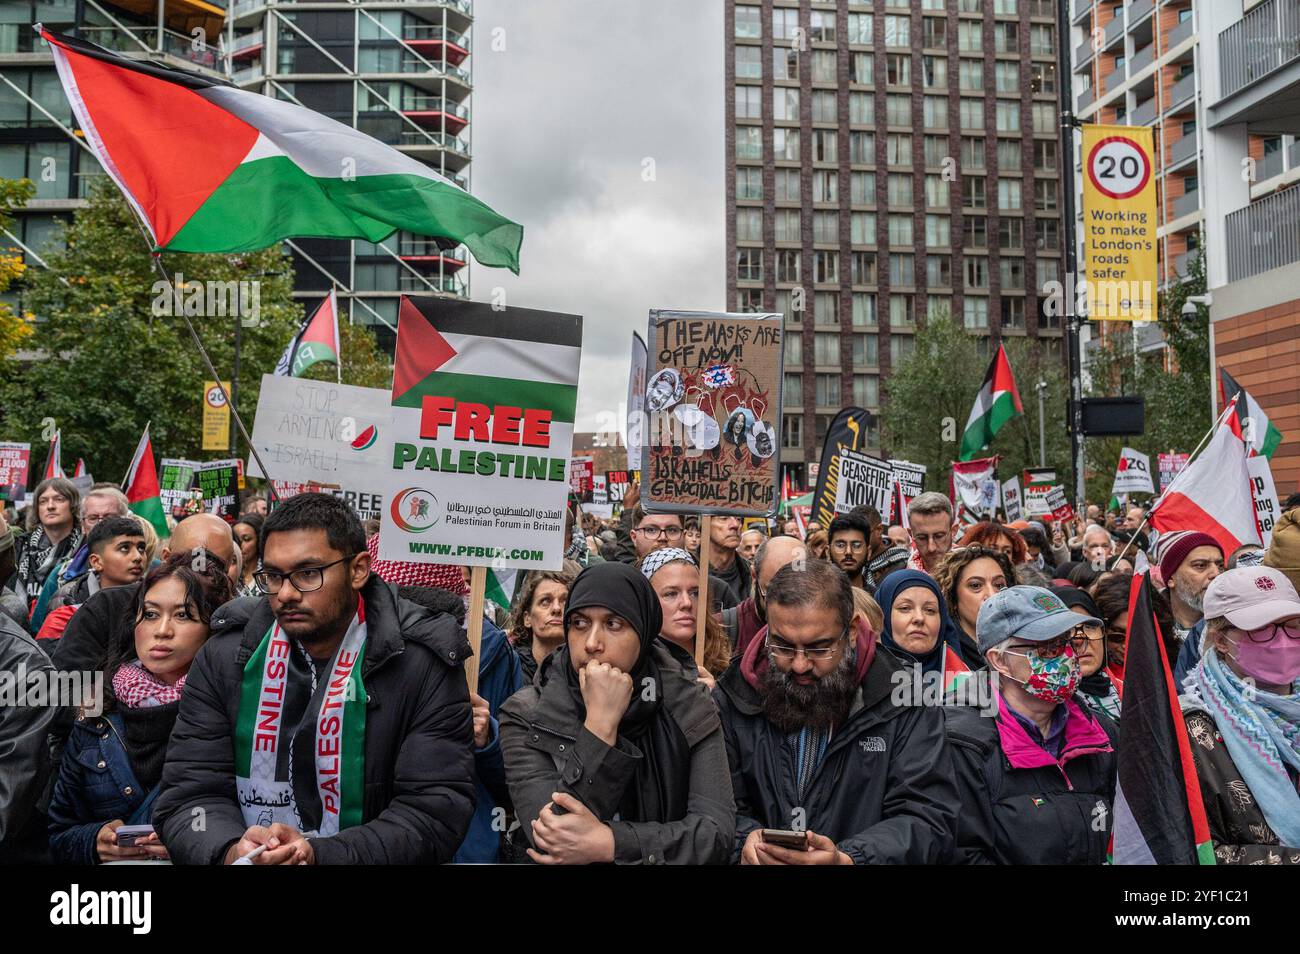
(614, 754)
(109, 777)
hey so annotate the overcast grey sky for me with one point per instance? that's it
(563, 119)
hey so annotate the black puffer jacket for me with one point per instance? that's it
(419, 763)
(884, 792)
(1051, 812)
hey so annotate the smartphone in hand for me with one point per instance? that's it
(128, 835)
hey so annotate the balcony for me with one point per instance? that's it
(1142, 59)
(436, 43)
(1114, 79)
(1182, 150)
(1080, 9)
(1264, 235)
(1138, 11)
(1083, 54)
(247, 46)
(427, 254)
(1085, 99)
(1148, 336)
(142, 40)
(1114, 30)
(1271, 166)
(1144, 114)
(1183, 93)
(438, 113)
(1181, 32)
(1260, 43)
(1187, 204)
(249, 74)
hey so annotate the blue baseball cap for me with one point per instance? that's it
(1031, 613)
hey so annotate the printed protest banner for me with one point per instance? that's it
(582, 478)
(1035, 497)
(617, 483)
(714, 399)
(1267, 509)
(847, 432)
(15, 459)
(600, 505)
(216, 416)
(1057, 504)
(1011, 502)
(863, 481)
(219, 481)
(1119, 222)
(910, 477)
(175, 478)
(482, 408)
(1170, 465)
(1132, 474)
(969, 487)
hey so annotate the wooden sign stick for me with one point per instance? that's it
(474, 626)
(702, 604)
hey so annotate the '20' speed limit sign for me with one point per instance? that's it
(1119, 167)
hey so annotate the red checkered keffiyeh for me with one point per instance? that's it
(402, 573)
(137, 688)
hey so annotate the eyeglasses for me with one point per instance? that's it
(1085, 633)
(857, 546)
(1044, 650)
(306, 579)
(659, 533)
(784, 651)
(1257, 635)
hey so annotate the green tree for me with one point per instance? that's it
(15, 329)
(112, 354)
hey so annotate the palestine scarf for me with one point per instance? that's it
(933, 661)
(402, 573)
(658, 790)
(40, 555)
(270, 717)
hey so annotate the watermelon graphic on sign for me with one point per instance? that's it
(366, 438)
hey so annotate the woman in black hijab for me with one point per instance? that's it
(615, 753)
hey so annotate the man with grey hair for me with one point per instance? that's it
(1098, 546)
(743, 622)
(930, 522)
(818, 745)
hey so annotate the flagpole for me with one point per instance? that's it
(156, 258)
(338, 345)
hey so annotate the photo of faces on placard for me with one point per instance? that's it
(720, 410)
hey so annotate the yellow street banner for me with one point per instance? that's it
(1119, 223)
(216, 416)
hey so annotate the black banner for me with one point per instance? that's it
(847, 432)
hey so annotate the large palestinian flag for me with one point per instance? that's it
(141, 486)
(209, 167)
(997, 403)
(1262, 437)
(317, 340)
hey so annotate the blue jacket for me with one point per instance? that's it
(499, 678)
(75, 565)
(96, 784)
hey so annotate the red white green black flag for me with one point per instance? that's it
(141, 486)
(997, 403)
(317, 340)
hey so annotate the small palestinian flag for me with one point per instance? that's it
(1159, 814)
(997, 403)
(209, 167)
(141, 486)
(80, 469)
(317, 340)
(1261, 436)
(501, 586)
(54, 461)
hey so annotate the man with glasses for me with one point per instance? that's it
(850, 537)
(743, 622)
(327, 722)
(930, 523)
(1037, 782)
(817, 746)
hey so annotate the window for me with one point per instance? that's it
(1044, 155)
(972, 74)
(898, 69)
(934, 32)
(749, 182)
(970, 36)
(866, 349)
(1008, 116)
(749, 299)
(862, 108)
(1045, 195)
(936, 150)
(749, 225)
(824, 66)
(1007, 7)
(862, 229)
(1011, 233)
(785, 103)
(898, 109)
(864, 273)
(864, 311)
(824, 149)
(900, 189)
(826, 348)
(864, 66)
(1049, 270)
(898, 31)
(972, 113)
(787, 225)
(749, 63)
(826, 267)
(793, 350)
(787, 265)
(785, 63)
(860, 27)
(977, 271)
(1007, 76)
(1006, 37)
(792, 431)
(900, 230)
(866, 390)
(749, 22)
(792, 390)
(787, 185)
(862, 147)
(749, 142)
(822, 27)
(976, 228)
(938, 271)
(936, 112)
(1013, 312)
(973, 194)
(785, 24)
(862, 188)
(826, 227)
(900, 311)
(1009, 195)
(898, 149)
(936, 192)
(1009, 154)
(785, 143)
(749, 264)
(1012, 273)
(826, 306)
(825, 186)
(1042, 78)
(938, 231)
(934, 71)
(976, 309)
(823, 107)
(749, 102)
(900, 347)
(1044, 117)
(1042, 39)
(972, 152)
(783, 307)
(1049, 234)
(938, 307)
(827, 390)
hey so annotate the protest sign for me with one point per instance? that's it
(973, 485)
(636, 420)
(1035, 498)
(863, 481)
(617, 483)
(1132, 474)
(910, 477)
(582, 478)
(714, 393)
(1170, 465)
(1057, 504)
(15, 459)
(216, 416)
(1011, 499)
(482, 406)
(600, 505)
(175, 478)
(1267, 509)
(847, 432)
(219, 481)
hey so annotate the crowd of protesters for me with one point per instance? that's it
(309, 701)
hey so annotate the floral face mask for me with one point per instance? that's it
(1053, 677)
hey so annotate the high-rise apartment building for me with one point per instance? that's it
(397, 71)
(888, 160)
